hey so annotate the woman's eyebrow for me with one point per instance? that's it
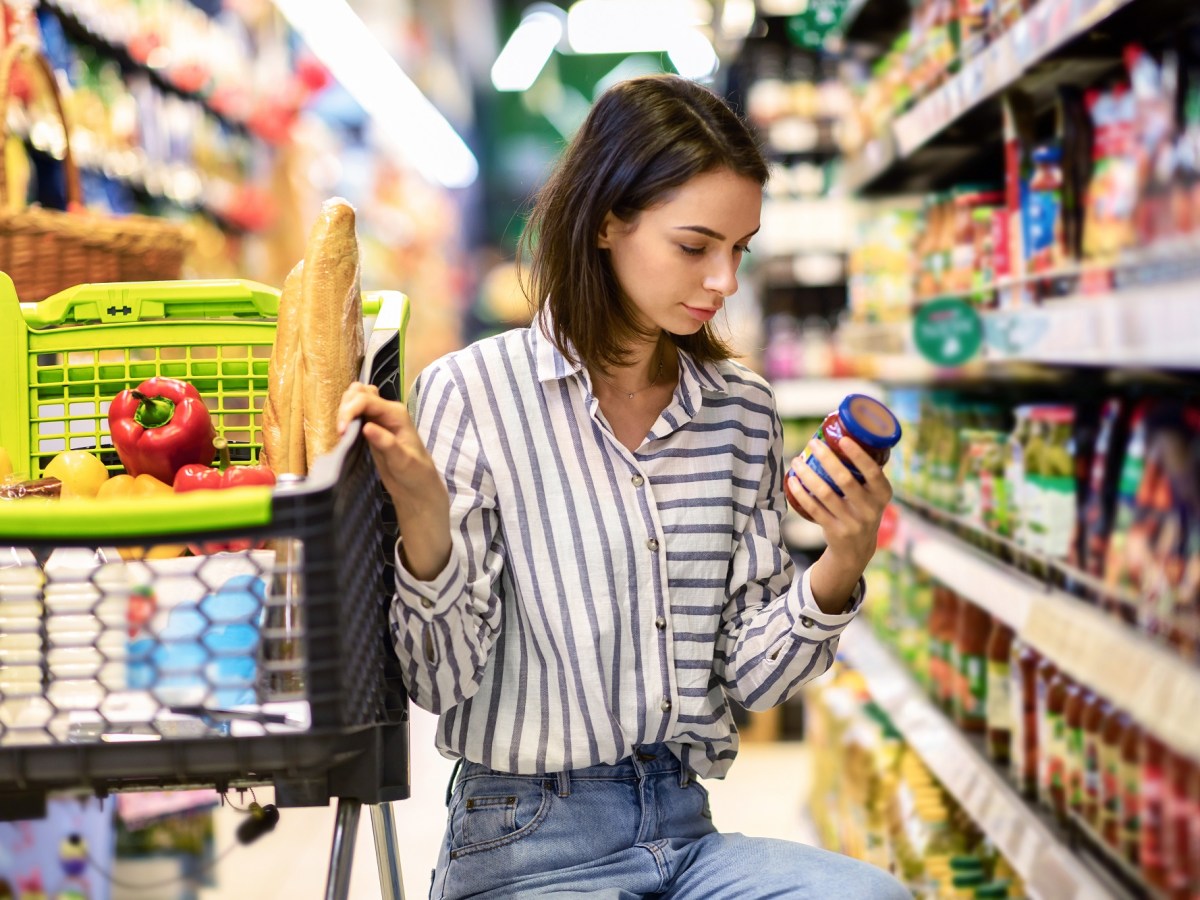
(708, 232)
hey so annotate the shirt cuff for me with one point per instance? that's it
(810, 621)
(432, 598)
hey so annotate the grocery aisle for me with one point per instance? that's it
(765, 794)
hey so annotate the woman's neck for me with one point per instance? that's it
(646, 365)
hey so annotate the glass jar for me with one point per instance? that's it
(865, 420)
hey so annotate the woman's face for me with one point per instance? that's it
(677, 262)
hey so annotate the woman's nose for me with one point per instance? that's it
(723, 279)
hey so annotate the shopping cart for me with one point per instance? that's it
(129, 664)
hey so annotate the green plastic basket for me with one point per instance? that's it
(73, 352)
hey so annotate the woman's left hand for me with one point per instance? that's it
(850, 522)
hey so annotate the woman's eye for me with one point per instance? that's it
(745, 249)
(691, 251)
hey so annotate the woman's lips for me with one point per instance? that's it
(699, 313)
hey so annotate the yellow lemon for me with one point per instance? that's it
(80, 472)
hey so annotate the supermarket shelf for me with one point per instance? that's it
(1051, 868)
(1153, 326)
(79, 31)
(813, 398)
(1142, 325)
(1092, 647)
(1045, 30)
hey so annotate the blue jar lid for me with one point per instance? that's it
(869, 422)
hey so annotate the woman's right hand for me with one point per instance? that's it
(408, 473)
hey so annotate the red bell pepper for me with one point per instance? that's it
(160, 427)
(204, 478)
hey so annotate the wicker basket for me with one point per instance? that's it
(45, 251)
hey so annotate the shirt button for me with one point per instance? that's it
(638, 480)
(806, 622)
(665, 706)
(427, 603)
(660, 623)
(652, 545)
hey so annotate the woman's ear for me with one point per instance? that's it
(608, 230)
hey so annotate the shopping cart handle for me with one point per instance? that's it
(173, 515)
(151, 300)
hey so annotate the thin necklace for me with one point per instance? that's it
(629, 394)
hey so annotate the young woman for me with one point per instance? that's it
(590, 569)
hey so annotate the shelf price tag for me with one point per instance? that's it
(948, 332)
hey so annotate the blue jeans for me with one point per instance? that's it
(639, 828)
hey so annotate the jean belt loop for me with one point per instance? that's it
(458, 763)
(564, 783)
(685, 777)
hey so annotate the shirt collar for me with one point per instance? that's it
(552, 365)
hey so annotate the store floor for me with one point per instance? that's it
(765, 794)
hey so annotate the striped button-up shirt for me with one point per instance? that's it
(598, 598)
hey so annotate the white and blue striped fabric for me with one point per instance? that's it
(597, 598)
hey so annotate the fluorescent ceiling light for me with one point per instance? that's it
(783, 7)
(344, 44)
(737, 19)
(525, 55)
(628, 26)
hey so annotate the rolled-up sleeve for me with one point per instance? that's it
(773, 636)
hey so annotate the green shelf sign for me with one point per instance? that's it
(948, 332)
(820, 18)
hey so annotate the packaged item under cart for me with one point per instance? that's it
(134, 664)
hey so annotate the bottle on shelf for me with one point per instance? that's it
(1153, 791)
(1112, 732)
(999, 693)
(1095, 712)
(1130, 811)
(1073, 758)
(970, 649)
(1023, 747)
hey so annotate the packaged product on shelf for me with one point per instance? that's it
(943, 620)
(969, 212)
(1095, 515)
(1121, 572)
(1073, 757)
(1152, 86)
(1043, 212)
(1095, 712)
(972, 631)
(1014, 473)
(1024, 665)
(999, 702)
(975, 18)
(1074, 137)
(1153, 798)
(1185, 189)
(1050, 697)
(1177, 813)
(1048, 496)
(1112, 732)
(1130, 791)
(1111, 196)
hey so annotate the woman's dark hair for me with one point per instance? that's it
(643, 138)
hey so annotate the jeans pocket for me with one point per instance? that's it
(495, 811)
